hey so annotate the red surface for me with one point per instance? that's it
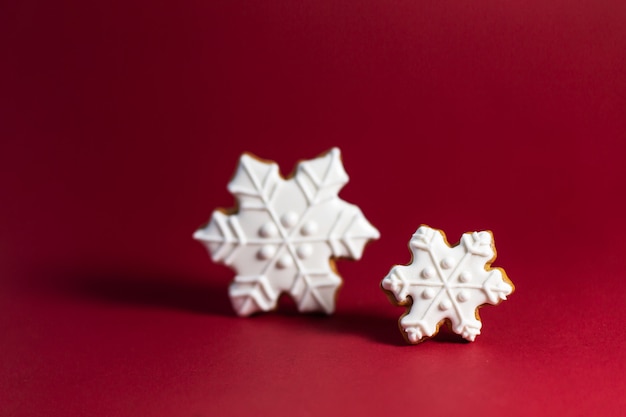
(122, 121)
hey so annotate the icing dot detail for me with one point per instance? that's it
(284, 261)
(289, 219)
(447, 263)
(428, 273)
(445, 305)
(304, 251)
(465, 276)
(309, 228)
(428, 293)
(266, 252)
(268, 230)
(462, 296)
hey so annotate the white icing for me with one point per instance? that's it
(447, 263)
(285, 261)
(268, 230)
(285, 232)
(304, 250)
(446, 283)
(310, 228)
(465, 276)
(289, 219)
(428, 293)
(428, 273)
(266, 252)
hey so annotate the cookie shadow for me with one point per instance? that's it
(162, 290)
(383, 329)
(376, 328)
(446, 335)
(147, 289)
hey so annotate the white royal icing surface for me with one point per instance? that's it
(446, 282)
(285, 232)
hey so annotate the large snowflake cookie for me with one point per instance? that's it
(286, 234)
(446, 284)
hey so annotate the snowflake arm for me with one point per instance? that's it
(285, 232)
(446, 284)
(254, 183)
(321, 179)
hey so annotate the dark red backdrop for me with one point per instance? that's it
(121, 123)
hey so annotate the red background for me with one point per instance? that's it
(121, 123)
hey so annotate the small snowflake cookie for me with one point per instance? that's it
(286, 234)
(446, 284)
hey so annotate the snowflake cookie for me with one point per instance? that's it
(286, 234)
(446, 284)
